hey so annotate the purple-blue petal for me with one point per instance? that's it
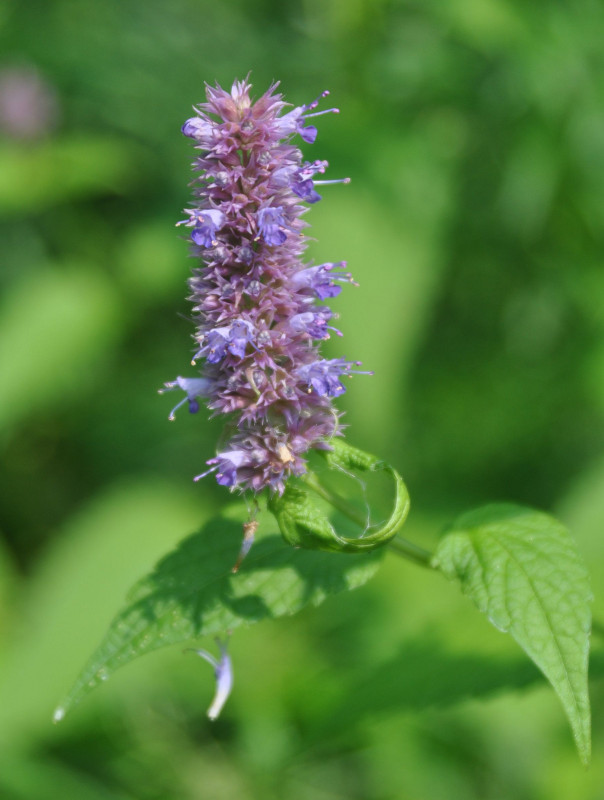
(308, 133)
(306, 190)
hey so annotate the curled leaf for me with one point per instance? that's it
(304, 524)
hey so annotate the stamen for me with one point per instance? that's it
(171, 417)
(317, 100)
(338, 180)
(320, 113)
(207, 472)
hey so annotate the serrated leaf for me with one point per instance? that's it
(193, 593)
(522, 569)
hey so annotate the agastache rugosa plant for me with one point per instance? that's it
(260, 314)
(258, 305)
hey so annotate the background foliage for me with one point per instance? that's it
(473, 132)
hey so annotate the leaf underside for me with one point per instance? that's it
(193, 592)
(521, 568)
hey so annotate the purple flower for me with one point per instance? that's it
(193, 388)
(313, 323)
(231, 338)
(199, 130)
(264, 457)
(216, 345)
(223, 671)
(303, 183)
(322, 279)
(323, 376)
(293, 121)
(271, 224)
(205, 223)
(226, 464)
(254, 300)
(300, 179)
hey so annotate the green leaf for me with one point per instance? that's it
(304, 524)
(193, 592)
(521, 568)
(343, 456)
(76, 585)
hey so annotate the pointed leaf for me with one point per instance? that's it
(193, 592)
(522, 569)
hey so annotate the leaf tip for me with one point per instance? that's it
(583, 742)
(584, 751)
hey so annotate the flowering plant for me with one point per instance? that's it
(253, 299)
(260, 316)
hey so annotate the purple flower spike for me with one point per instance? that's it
(254, 299)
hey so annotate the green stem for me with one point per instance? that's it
(399, 545)
(413, 552)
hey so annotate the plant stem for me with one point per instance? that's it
(413, 552)
(399, 545)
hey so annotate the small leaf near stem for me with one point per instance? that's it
(305, 524)
(400, 546)
(353, 514)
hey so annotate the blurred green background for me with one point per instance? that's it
(473, 132)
